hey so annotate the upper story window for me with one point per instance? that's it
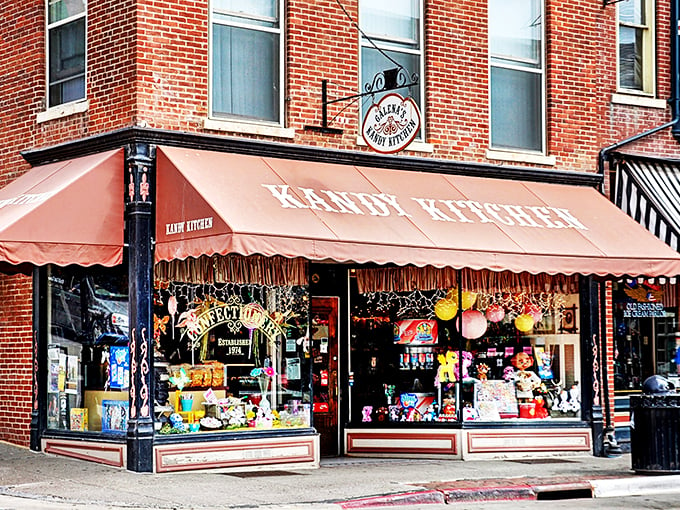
(247, 60)
(517, 82)
(65, 51)
(636, 45)
(395, 27)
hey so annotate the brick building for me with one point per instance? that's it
(180, 227)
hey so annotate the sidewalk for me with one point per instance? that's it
(342, 483)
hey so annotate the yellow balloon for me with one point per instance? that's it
(524, 322)
(468, 299)
(445, 309)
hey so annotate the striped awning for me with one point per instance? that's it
(648, 190)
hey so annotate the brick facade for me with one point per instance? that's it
(148, 66)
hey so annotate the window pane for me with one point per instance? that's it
(62, 9)
(245, 73)
(67, 62)
(516, 109)
(236, 356)
(630, 58)
(373, 62)
(88, 357)
(516, 30)
(398, 19)
(632, 11)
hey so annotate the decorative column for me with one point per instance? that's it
(591, 360)
(139, 198)
(39, 353)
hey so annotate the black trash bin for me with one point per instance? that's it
(655, 428)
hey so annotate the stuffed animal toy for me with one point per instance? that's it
(482, 371)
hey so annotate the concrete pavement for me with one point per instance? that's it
(37, 480)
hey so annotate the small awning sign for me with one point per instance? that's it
(391, 124)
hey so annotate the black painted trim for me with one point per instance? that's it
(130, 135)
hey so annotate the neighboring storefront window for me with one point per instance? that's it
(88, 355)
(236, 356)
(646, 337)
(519, 356)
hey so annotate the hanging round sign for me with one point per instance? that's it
(391, 124)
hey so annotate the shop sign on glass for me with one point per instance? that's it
(391, 124)
(644, 310)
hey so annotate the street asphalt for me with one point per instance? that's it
(34, 480)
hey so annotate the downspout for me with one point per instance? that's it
(611, 448)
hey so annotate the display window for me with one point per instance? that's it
(646, 337)
(88, 360)
(236, 357)
(515, 357)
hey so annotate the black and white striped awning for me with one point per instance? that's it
(648, 190)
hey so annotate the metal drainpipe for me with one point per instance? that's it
(611, 447)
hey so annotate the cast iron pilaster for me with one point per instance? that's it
(39, 355)
(139, 197)
(591, 405)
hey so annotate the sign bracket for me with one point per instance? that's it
(384, 81)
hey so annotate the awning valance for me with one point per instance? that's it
(65, 213)
(648, 190)
(218, 203)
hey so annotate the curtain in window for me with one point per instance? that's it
(245, 73)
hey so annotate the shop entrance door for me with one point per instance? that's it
(324, 345)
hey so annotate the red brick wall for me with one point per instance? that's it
(16, 358)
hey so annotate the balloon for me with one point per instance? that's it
(474, 324)
(468, 299)
(495, 313)
(534, 310)
(446, 309)
(524, 322)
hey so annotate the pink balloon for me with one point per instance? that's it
(495, 313)
(172, 305)
(534, 310)
(474, 324)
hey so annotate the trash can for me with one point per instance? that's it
(655, 428)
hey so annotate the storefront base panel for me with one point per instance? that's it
(403, 442)
(111, 454)
(526, 442)
(469, 444)
(240, 455)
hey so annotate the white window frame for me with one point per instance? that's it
(68, 107)
(392, 44)
(238, 123)
(648, 50)
(544, 95)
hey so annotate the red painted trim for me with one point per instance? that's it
(353, 436)
(527, 447)
(161, 452)
(70, 449)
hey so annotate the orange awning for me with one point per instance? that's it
(65, 213)
(218, 203)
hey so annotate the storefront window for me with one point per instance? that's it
(646, 337)
(518, 357)
(88, 356)
(236, 356)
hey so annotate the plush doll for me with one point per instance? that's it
(447, 367)
(366, 411)
(482, 371)
(541, 411)
(526, 381)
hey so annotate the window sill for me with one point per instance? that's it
(414, 146)
(249, 129)
(63, 110)
(635, 100)
(520, 157)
